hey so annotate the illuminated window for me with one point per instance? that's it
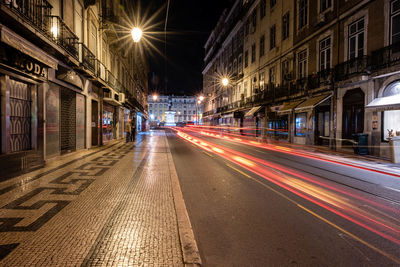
(391, 118)
(301, 124)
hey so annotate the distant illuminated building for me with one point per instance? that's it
(183, 108)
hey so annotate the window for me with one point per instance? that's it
(245, 88)
(151, 105)
(246, 27)
(240, 63)
(78, 19)
(272, 3)
(262, 80)
(272, 75)
(395, 21)
(356, 39)
(262, 45)
(325, 54)
(263, 7)
(325, 4)
(272, 35)
(302, 64)
(246, 58)
(303, 10)
(93, 38)
(285, 26)
(285, 70)
(391, 120)
(301, 124)
(254, 19)
(253, 53)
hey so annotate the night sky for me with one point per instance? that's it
(189, 25)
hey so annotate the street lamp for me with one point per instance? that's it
(199, 100)
(136, 34)
(225, 81)
(155, 97)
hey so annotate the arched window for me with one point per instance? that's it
(392, 89)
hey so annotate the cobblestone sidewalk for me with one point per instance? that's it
(113, 207)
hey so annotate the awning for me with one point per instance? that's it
(227, 115)
(385, 103)
(14, 40)
(252, 111)
(288, 106)
(312, 102)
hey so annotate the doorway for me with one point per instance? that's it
(95, 123)
(353, 114)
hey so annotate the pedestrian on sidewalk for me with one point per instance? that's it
(133, 131)
(128, 131)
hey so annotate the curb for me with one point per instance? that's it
(190, 251)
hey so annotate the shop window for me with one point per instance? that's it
(301, 124)
(391, 121)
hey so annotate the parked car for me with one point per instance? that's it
(189, 123)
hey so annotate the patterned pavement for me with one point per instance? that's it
(112, 206)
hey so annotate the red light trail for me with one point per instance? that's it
(344, 203)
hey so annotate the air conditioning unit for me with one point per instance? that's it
(122, 98)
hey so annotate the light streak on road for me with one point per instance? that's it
(376, 217)
(287, 150)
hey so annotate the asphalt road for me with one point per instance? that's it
(241, 217)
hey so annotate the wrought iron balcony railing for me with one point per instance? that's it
(101, 70)
(386, 56)
(87, 58)
(351, 67)
(63, 36)
(37, 12)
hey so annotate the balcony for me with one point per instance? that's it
(38, 14)
(101, 70)
(351, 67)
(63, 36)
(87, 58)
(386, 56)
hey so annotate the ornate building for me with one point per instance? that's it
(66, 82)
(310, 72)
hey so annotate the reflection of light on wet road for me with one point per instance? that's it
(345, 202)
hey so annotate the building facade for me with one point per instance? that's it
(311, 72)
(183, 109)
(65, 83)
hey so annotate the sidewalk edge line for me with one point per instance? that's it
(190, 251)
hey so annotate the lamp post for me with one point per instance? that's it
(199, 100)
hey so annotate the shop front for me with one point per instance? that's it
(111, 116)
(284, 118)
(252, 122)
(386, 117)
(23, 80)
(312, 120)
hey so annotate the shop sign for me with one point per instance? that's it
(22, 62)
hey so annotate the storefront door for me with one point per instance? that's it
(19, 138)
(68, 120)
(95, 123)
(353, 113)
